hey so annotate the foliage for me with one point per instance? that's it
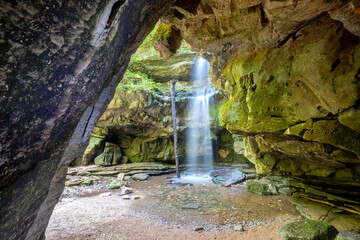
(133, 81)
(214, 113)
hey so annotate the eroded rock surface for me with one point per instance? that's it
(291, 73)
(60, 64)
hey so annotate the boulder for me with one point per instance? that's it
(227, 176)
(308, 230)
(261, 187)
(348, 235)
(110, 156)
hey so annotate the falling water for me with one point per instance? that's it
(199, 150)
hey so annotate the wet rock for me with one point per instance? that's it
(308, 230)
(227, 176)
(348, 235)
(140, 176)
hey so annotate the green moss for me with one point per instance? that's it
(133, 82)
(334, 133)
(163, 32)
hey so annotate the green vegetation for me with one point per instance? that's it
(132, 82)
(214, 113)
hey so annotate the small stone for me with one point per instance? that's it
(135, 197)
(105, 194)
(126, 190)
(190, 206)
(73, 183)
(116, 184)
(239, 228)
(126, 197)
(140, 176)
(199, 229)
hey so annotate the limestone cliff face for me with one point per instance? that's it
(60, 63)
(291, 72)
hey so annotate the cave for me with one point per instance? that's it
(74, 82)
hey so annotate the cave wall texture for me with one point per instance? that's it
(60, 64)
(291, 71)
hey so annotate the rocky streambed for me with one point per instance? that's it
(133, 201)
(165, 210)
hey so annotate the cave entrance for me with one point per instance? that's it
(129, 163)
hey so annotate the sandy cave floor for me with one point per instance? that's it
(161, 212)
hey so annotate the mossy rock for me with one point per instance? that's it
(110, 156)
(308, 230)
(350, 118)
(261, 188)
(73, 183)
(334, 133)
(116, 184)
(167, 40)
(88, 182)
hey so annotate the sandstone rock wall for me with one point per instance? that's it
(291, 72)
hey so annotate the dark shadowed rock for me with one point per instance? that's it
(60, 64)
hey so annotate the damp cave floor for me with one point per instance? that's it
(162, 212)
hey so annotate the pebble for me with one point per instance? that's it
(239, 228)
(105, 194)
(126, 197)
(199, 229)
(135, 197)
(126, 190)
(190, 206)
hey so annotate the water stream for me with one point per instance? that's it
(199, 150)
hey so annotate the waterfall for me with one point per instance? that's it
(199, 151)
